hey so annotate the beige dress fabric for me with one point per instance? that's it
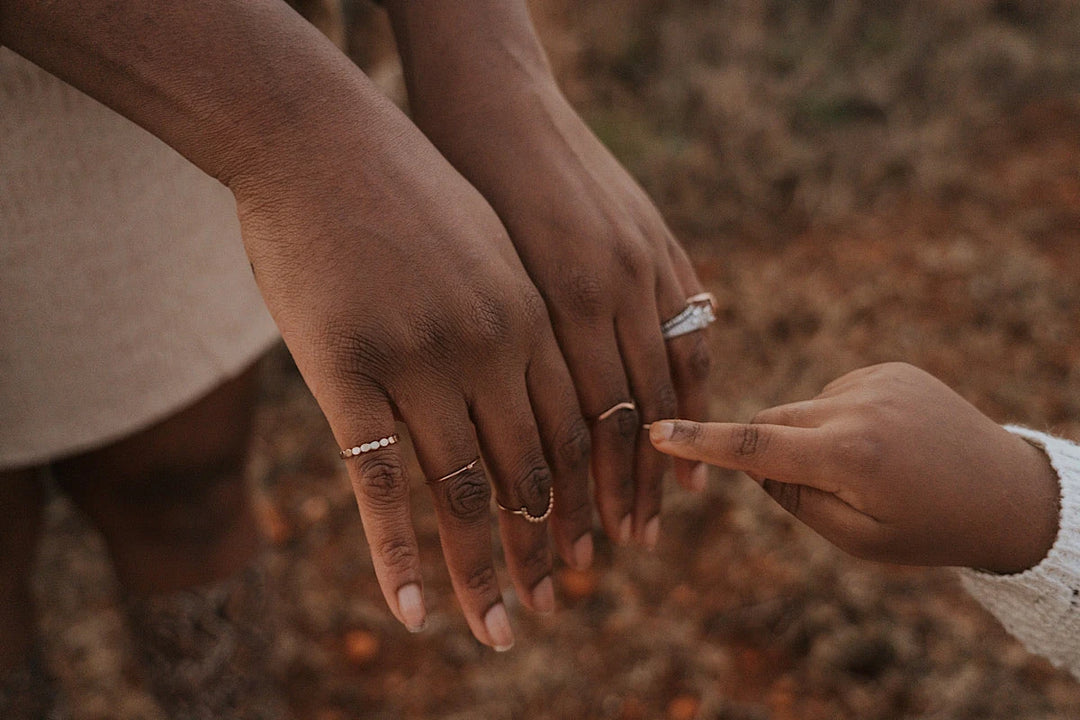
(125, 293)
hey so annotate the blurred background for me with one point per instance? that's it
(856, 181)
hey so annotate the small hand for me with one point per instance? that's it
(890, 464)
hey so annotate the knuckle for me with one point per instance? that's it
(860, 454)
(432, 336)
(533, 308)
(491, 318)
(349, 352)
(632, 260)
(398, 554)
(468, 497)
(584, 294)
(533, 487)
(748, 440)
(575, 512)
(536, 563)
(482, 580)
(382, 481)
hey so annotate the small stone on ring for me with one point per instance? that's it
(368, 447)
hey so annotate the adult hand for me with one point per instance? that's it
(890, 464)
(392, 280)
(399, 294)
(595, 246)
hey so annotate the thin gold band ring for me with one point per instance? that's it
(462, 469)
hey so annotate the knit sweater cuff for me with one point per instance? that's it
(1041, 606)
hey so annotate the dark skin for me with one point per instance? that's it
(890, 464)
(170, 502)
(423, 286)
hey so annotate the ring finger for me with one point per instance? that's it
(511, 446)
(690, 364)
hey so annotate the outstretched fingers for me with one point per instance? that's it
(567, 445)
(523, 489)
(447, 449)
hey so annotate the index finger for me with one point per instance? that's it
(779, 452)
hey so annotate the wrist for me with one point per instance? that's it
(1029, 526)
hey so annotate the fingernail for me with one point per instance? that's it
(543, 596)
(583, 552)
(662, 430)
(411, 604)
(651, 534)
(699, 476)
(625, 529)
(497, 625)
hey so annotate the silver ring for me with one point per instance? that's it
(699, 313)
(368, 447)
(462, 469)
(524, 511)
(625, 405)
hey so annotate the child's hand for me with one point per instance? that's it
(890, 464)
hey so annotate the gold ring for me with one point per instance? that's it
(625, 405)
(462, 469)
(524, 511)
(368, 447)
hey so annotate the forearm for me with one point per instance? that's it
(230, 85)
(458, 54)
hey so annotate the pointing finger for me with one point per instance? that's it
(786, 454)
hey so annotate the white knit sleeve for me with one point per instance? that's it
(1041, 606)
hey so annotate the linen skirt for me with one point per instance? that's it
(125, 293)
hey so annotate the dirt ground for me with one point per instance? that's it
(856, 182)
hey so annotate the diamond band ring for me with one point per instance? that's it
(699, 313)
(368, 447)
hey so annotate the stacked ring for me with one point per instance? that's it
(699, 313)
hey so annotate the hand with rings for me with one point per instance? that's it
(597, 249)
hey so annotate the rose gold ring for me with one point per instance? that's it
(368, 447)
(462, 469)
(626, 405)
(524, 511)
